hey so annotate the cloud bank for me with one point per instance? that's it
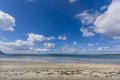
(28, 45)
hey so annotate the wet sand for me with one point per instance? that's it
(58, 71)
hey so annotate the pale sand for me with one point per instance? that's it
(58, 71)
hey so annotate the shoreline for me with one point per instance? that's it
(63, 60)
(32, 62)
(6, 63)
(57, 71)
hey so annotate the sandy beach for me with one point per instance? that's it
(58, 71)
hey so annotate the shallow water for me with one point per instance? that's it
(99, 59)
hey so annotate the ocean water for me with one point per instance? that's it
(65, 58)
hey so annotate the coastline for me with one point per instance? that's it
(64, 60)
(57, 71)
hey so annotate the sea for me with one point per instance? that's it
(64, 58)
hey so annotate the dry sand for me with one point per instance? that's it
(58, 71)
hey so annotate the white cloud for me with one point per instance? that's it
(90, 44)
(68, 48)
(104, 7)
(99, 49)
(86, 32)
(73, 1)
(41, 50)
(49, 45)
(17, 45)
(62, 37)
(27, 46)
(66, 45)
(20, 46)
(7, 22)
(108, 23)
(74, 42)
(86, 18)
(50, 38)
(38, 38)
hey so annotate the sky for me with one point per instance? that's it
(60, 26)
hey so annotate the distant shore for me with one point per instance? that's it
(57, 71)
(1, 52)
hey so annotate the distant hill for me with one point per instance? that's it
(1, 52)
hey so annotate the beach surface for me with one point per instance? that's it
(58, 71)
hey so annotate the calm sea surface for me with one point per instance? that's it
(66, 58)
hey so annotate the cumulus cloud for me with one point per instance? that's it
(49, 45)
(90, 44)
(20, 46)
(7, 22)
(27, 46)
(87, 17)
(17, 45)
(38, 38)
(99, 49)
(104, 7)
(107, 23)
(62, 37)
(68, 48)
(73, 1)
(50, 38)
(86, 32)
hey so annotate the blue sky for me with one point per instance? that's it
(60, 26)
